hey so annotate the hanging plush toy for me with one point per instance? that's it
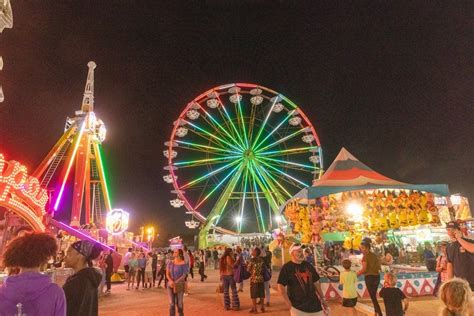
(400, 203)
(423, 217)
(412, 209)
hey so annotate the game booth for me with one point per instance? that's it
(351, 201)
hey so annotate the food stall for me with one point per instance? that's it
(353, 201)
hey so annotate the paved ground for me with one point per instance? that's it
(203, 300)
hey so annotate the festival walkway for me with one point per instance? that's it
(203, 300)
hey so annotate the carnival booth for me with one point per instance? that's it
(351, 201)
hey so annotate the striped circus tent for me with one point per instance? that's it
(347, 173)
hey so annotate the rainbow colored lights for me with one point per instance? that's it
(238, 151)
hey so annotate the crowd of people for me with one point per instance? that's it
(28, 291)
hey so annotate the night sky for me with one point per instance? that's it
(390, 81)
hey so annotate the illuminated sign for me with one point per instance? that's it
(117, 221)
(22, 193)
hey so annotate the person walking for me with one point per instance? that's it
(81, 288)
(227, 278)
(396, 303)
(162, 270)
(35, 291)
(371, 270)
(348, 279)
(202, 265)
(255, 267)
(215, 258)
(299, 285)
(191, 263)
(267, 260)
(176, 272)
(109, 269)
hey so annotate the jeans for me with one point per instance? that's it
(267, 292)
(108, 279)
(228, 281)
(141, 276)
(372, 282)
(176, 300)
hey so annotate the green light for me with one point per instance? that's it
(283, 173)
(282, 139)
(288, 151)
(274, 130)
(288, 162)
(209, 174)
(231, 122)
(103, 174)
(217, 186)
(243, 123)
(264, 123)
(211, 135)
(226, 151)
(220, 127)
(196, 163)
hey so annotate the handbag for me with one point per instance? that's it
(244, 273)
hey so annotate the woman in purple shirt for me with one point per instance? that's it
(31, 292)
(176, 272)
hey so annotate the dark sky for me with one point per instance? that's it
(390, 81)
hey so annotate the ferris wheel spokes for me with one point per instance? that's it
(302, 130)
(223, 150)
(285, 119)
(213, 173)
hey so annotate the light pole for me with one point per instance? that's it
(150, 232)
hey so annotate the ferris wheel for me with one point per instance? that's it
(236, 153)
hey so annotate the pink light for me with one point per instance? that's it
(71, 161)
(66, 227)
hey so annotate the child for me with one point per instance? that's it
(393, 296)
(348, 279)
(456, 296)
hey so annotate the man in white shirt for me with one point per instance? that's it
(126, 259)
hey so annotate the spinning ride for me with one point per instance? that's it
(80, 145)
(236, 153)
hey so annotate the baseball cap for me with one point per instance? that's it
(294, 247)
(453, 224)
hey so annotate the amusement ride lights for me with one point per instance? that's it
(80, 146)
(240, 149)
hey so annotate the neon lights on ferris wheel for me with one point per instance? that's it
(246, 148)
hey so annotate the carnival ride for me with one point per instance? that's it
(237, 152)
(79, 146)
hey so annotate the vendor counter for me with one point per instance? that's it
(411, 283)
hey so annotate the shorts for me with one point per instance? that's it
(127, 268)
(257, 290)
(349, 302)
